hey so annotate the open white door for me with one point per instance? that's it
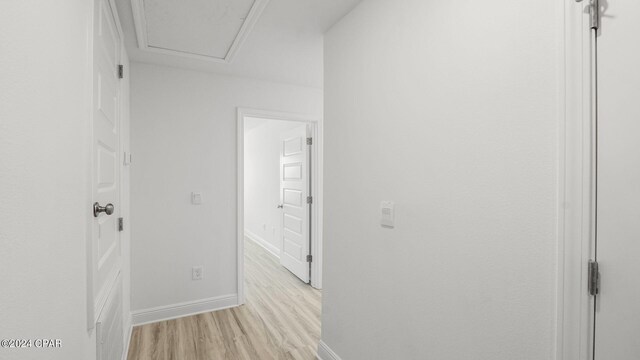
(106, 260)
(617, 319)
(294, 192)
(106, 121)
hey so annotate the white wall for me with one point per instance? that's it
(448, 108)
(44, 167)
(183, 138)
(262, 153)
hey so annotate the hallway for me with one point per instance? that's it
(280, 320)
(413, 179)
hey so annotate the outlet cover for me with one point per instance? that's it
(196, 273)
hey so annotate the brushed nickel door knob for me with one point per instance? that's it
(107, 209)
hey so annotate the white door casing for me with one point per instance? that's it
(105, 243)
(575, 224)
(617, 316)
(294, 190)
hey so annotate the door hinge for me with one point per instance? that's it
(309, 199)
(594, 278)
(309, 258)
(309, 141)
(120, 71)
(120, 224)
(594, 14)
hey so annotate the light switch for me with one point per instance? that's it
(196, 198)
(127, 159)
(386, 214)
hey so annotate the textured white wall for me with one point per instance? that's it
(44, 168)
(262, 152)
(183, 138)
(448, 108)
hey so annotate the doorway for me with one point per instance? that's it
(279, 193)
(277, 215)
(279, 225)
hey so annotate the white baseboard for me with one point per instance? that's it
(168, 312)
(325, 352)
(273, 250)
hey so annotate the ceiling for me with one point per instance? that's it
(274, 40)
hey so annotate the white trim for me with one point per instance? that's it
(317, 245)
(574, 319)
(316, 191)
(169, 312)
(140, 22)
(127, 342)
(240, 207)
(116, 18)
(91, 316)
(325, 352)
(125, 191)
(273, 250)
(248, 25)
(563, 107)
(276, 115)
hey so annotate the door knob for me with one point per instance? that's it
(107, 209)
(280, 206)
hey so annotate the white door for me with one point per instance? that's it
(106, 117)
(294, 190)
(617, 320)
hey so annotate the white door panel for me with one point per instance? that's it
(292, 197)
(294, 189)
(109, 330)
(617, 332)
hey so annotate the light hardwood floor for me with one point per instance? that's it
(280, 320)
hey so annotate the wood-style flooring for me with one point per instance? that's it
(280, 320)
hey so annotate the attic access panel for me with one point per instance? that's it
(206, 29)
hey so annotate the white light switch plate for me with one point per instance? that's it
(387, 214)
(127, 158)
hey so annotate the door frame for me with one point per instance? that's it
(316, 190)
(574, 308)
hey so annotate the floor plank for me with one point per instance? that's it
(280, 320)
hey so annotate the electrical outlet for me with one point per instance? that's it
(196, 273)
